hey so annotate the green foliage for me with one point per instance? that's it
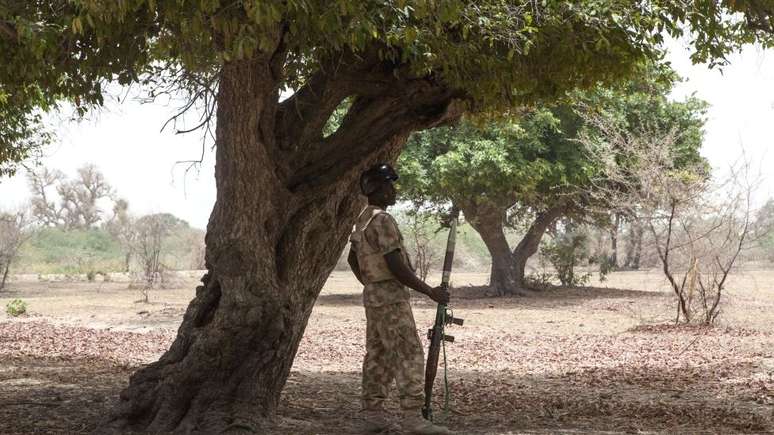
(493, 53)
(54, 250)
(93, 251)
(764, 228)
(470, 254)
(565, 252)
(22, 133)
(533, 158)
(497, 164)
(16, 308)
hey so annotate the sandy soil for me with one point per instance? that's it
(592, 360)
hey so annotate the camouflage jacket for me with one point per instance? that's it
(375, 234)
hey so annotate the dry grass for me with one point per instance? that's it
(583, 360)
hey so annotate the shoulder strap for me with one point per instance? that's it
(362, 225)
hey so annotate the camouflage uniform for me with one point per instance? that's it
(393, 349)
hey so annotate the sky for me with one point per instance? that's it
(124, 140)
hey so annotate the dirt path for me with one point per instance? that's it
(565, 361)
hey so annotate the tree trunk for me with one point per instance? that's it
(614, 241)
(634, 245)
(529, 244)
(639, 232)
(127, 261)
(489, 223)
(6, 268)
(283, 213)
(508, 271)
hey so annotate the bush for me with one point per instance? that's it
(540, 280)
(566, 251)
(606, 265)
(16, 307)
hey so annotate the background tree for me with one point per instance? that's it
(567, 249)
(764, 225)
(68, 204)
(151, 232)
(485, 172)
(45, 207)
(80, 195)
(406, 65)
(14, 230)
(699, 225)
(122, 227)
(530, 168)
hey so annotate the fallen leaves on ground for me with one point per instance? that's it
(649, 378)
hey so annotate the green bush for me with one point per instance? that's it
(16, 307)
(565, 252)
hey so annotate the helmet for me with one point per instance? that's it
(372, 178)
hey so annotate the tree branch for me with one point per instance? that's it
(374, 128)
(301, 117)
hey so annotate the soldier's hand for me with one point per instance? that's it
(440, 295)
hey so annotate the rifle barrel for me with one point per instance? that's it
(436, 334)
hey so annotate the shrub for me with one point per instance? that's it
(540, 280)
(16, 307)
(565, 252)
(606, 265)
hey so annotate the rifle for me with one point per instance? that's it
(443, 317)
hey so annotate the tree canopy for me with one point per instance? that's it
(493, 53)
(532, 164)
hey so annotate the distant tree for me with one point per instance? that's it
(566, 250)
(699, 225)
(529, 169)
(80, 196)
(420, 236)
(764, 225)
(14, 230)
(122, 227)
(195, 243)
(151, 233)
(46, 208)
(74, 202)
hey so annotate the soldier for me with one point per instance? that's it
(381, 263)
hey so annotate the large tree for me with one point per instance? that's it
(287, 194)
(528, 168)
(498, 174)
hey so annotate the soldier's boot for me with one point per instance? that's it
(377, 421)
(416, 425)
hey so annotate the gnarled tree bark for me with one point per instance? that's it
(286, 201)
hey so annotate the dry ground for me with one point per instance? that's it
(596, 360)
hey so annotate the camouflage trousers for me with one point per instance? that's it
(393, 351)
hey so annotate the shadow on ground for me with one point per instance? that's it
(41, 396)
(484, 294)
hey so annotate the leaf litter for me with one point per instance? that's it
(661, 378)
